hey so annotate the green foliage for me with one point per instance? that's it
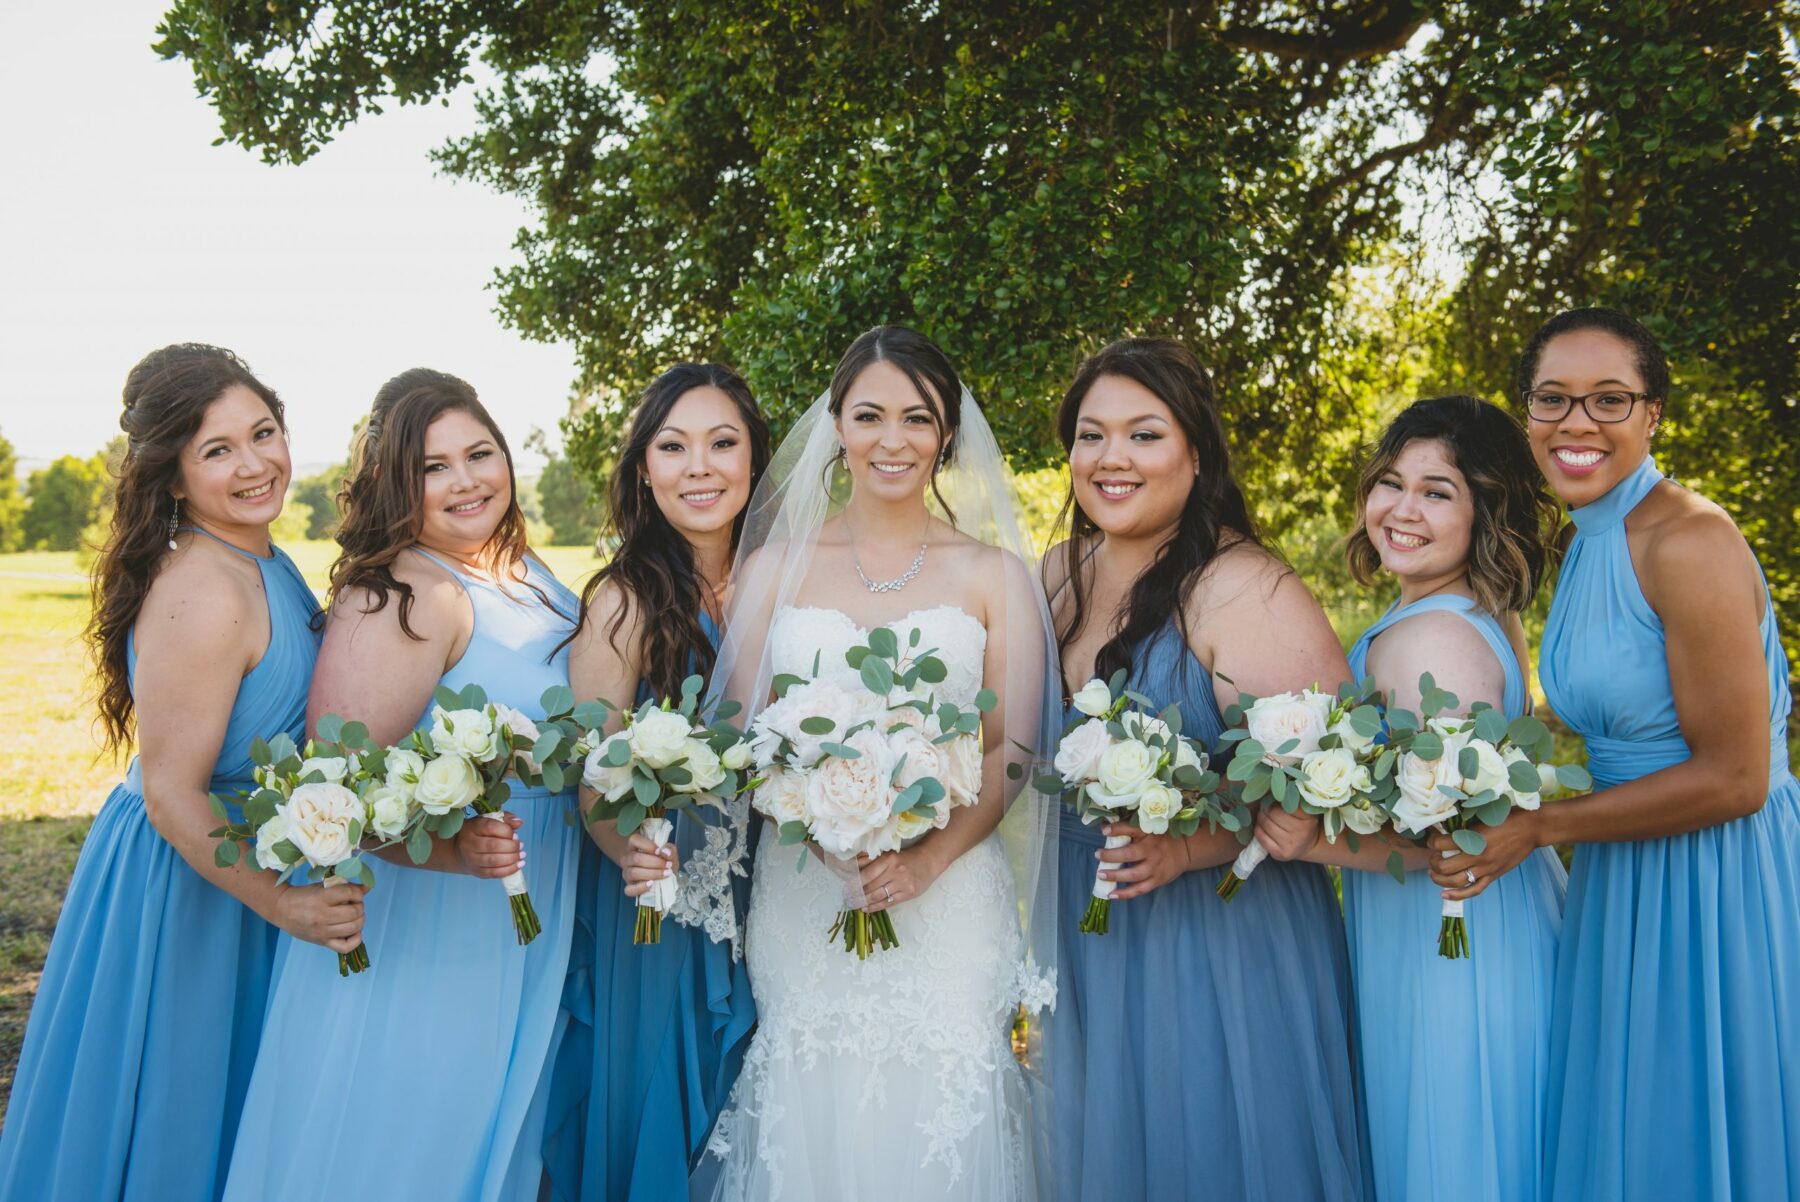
(12, 505)
(62, 500)
(318, 493)
(572, 506)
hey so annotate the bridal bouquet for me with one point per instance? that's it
(1119, 764)
(1310, 752)
(311, 811)
(1451, 773)
(664, 758)
(860, 771)
(463, 762)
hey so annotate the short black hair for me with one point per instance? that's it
(1652, 363)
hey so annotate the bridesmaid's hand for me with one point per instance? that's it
(1507, 846)
(490, 849)
(331, 918)
(645, 864)
(1287, 836)
(1147, 862)
(898, 876)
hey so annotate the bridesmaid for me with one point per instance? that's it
(140, 1044)
(427, 1076)
(1454, 1054)
(1675, 1058)
(658, 1030)
(1200, 1050)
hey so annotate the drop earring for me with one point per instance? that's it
(174, 522)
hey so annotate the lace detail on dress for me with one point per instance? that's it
(704, 898)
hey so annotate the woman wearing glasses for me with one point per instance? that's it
(1675, 1057)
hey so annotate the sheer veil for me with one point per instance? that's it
(803, 487)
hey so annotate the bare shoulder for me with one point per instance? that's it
(1444, 644)
(1690, 544)
(1243, 574)
(438, 599)
(197, 596)
(613, 617)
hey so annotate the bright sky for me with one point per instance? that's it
(122, 229)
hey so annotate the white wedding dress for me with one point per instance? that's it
(889, 1078)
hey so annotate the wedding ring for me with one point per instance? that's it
(1470, 874)
(890, 893)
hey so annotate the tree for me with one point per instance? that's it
(62, 500)
(12, 506)
(572, 507)
(318, 493)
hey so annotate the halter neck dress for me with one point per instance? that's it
(148, 1012)
(1455, 1054)
(1675, 1047)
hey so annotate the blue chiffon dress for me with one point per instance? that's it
(145, 1027)
(1455, 1054)
(1675, 1044)
(657, 1036)
(1201, 1050)
(427, 1075)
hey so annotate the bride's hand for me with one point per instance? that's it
(1147, 862)
(898, 876)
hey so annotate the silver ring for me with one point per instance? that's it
(890, 892)
(1470, 875)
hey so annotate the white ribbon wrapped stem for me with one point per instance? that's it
(661, 895)
(1104, 888)
(1253, 854)
(514, 884)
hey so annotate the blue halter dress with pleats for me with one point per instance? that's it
(657, 1036)
(1455, 1054)
(427, 1075)
(1201, 1050)
(150, 1005)
(1675, 1042)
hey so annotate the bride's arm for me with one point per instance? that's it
(1014, 668)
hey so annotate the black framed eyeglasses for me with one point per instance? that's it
(1612, 405)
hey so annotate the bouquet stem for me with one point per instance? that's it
(661, 895)
(525, 919)
(1453, 936)
(649, 925)
(1241, 868)
(862, 932)
(357, 958)
(1098, 916)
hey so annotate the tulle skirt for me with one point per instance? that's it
(1455, 1054)
(145, 1027)
(1675, 1050)
(1201, 1050)
(656, 1036)
(426, 1076)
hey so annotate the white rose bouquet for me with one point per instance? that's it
(1119, 762)
(311, 811)
(1308, 751)
(1450, 773)
(663, 758)
(864, 771)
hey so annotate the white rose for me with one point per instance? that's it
(1187, 757)
(705, 772)
(1529, 799)
(810, 699)
(1078, 755)
(448, 782)
(911, 825)
(1365, 818)
(922, 757)
(389, 810)
(1156, 806)
(268, 835)
(1548, 784)
(850, 800)
(1126, 767)
(319, 819)
(1490, 769)
(523, 730)
(1349, 737)
(332, 768)
(1280, 718)
(736, 757)
(962, 771)
(464, 732)
(609, 782)
(659, 738)
(402, 771)
(783, 797)
(1421, 806)
(1331, 778)
(1094, 698)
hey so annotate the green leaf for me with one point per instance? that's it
(1396, 866)
(1527, 731)
(329, 727)
(445, 698)
(1490, 724)
(794, 832)
(883, 642)
(1470, 841)
(986, 700)
(906, 799)
(260, 754)
(841, 750)
(226, 854)
(217, 805)
(646, 789)
(544, 750)
(557, 699)
(631, 816)
(1468, 763)
(817, 724)
(1427, 745)
(1522, 776)
(418, 845)
(554, 779)
(1574, 777)
(726, 710)
(877, 676)
(1257, 788)
(1278, 785)
(932, 670)
(450, 823)
(617, 755)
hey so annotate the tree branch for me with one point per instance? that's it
(1376, 28)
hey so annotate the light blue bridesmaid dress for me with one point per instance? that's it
(657, 1036)
(427, 1076)
(1201, 1050)
(1675, 1042)
(1455, 1054)
(145, 1026)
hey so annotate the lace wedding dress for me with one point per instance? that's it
(891, 1077)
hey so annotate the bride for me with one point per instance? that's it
(888, 505)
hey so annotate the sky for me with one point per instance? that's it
(122, 229)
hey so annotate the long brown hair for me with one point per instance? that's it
(1214, 517)
(383, 499)
(166, 398)
(654, 563)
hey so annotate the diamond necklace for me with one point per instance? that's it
(886, 586)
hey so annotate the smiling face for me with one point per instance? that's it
(1420, 515)
(468, 486)
(698, 463)
(889, 434)
(1130, 463)
(235, 469)
(1581, 458)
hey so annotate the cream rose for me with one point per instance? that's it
(911, 825)
(1280, 718)
(523, 729)
(1157, 804)
(1365, 818)
(1125, 768)
(705, 772)
(1093, 698)
(389, 810)
(922, 757)
(274, 831)
(1421, 806)
(1349, 737)
(736, 757)
(850, 799)
(320, 817)
(464, 732)
(609, 782)
(1078, 755)
(811, 699)
(1332, 777)
(402, 771)
(659, 738)
(1548, 784)
(332, 768)
(448, 782)
(783, 797)
(962, 770)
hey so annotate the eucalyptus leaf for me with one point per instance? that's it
(1470, 841)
